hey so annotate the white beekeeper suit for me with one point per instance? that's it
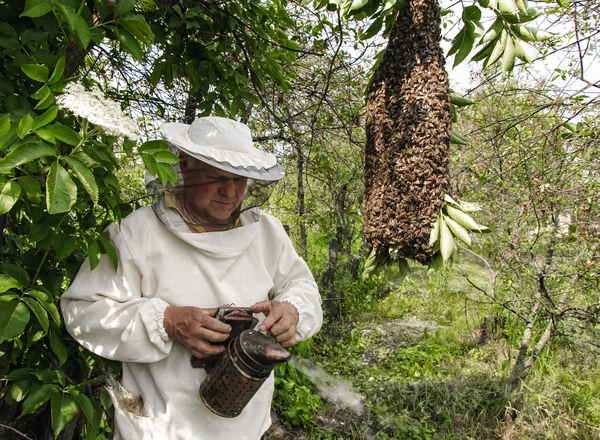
(119, 314)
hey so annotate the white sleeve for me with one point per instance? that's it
(104, 310)
(294, 283)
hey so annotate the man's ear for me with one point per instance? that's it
(184, 162)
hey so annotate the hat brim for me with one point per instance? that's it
(252, 168)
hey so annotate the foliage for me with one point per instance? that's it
(443, 383)
(510, 36)
(454, 223)
(541, 176)
(62, 178)
(60, 163)
(295, 399)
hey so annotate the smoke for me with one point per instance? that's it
(331, 388)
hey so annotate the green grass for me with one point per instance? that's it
(440, 383)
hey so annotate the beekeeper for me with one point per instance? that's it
(198, 247)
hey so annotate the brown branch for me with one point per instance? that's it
(15, 430)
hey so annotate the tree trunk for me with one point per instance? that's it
(191, 107)
(332, 306)
(300, 173)
(408, 136)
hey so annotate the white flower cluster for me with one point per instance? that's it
(97, 109)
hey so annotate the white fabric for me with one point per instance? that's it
(225, 144)
(119, 315)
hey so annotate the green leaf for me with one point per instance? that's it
(20, 389)
(45, 98)
(249, 97)
(92, 427)
(154, 146)
(471, 13)
(166, 172)
(17, 272)
(8, 282)
(85, 176)
(39, 311)
(137, 26)
(36, 72)
(36, 8)
(32, 188)
(45, 118)
(110, 250)
(38, 398)
(157, 73)
(529, 33)
(77, 24)
(457, 138)
(461, 101)
(485, 52)
(86, 406)
(149, 163)
(61, 191)
(498, 49)
(124, 7)
(493, 31)
(525, 51)
(463, 219)
(509, 55)
(4, 124)
(9, 195)
(435, 232)
(25, 126)
(7, 297)
(87, 160)
(46, 301)
(458, 231)
(14, 317)
(9, 37)
(507, 5)
(358, 4)
(20, 374)
(165, 156)
(39, 231)
(403, 267)
(93, 251)
(64, 247)
(50, 375)
(465, 43)
(522, 5)
(374, 28)
(58, 347)
(437, 262)
(63, 133)
(59, 69)
(447, 244)
(130, 44)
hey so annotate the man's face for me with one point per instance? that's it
(210, 195)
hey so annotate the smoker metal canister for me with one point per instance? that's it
(240, 372)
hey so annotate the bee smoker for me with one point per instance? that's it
(235, 375)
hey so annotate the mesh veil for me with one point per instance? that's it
(256, 195)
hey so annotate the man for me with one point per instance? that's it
(196, 249)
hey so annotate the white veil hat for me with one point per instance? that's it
(224, 144)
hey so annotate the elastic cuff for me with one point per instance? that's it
(296, 304)
(160, 324)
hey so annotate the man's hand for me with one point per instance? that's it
(281, 321)
(196, 328)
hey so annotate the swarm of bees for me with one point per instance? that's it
(408, 127)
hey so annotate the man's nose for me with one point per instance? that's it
(227, 188)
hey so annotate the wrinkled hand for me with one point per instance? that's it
(196, 328)
(281, 321)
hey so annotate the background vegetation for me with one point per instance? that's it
(502, 344)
